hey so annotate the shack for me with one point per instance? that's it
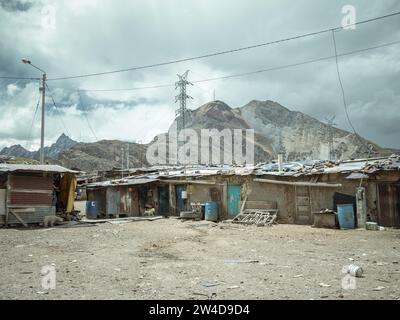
(297, 190)
(128, 197)
(304, 188)
(28, 193)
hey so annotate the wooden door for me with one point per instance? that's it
(389, 205)
(303, 205)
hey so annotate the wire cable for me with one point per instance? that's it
(252, 72)
(224, 52)
(87, 119)
(58, 111)
(32, 123)
(18, 78)
(344, 96)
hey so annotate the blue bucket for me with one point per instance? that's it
(211, 211)
(346, 216)
(91, 209)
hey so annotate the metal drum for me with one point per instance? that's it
(211, 211)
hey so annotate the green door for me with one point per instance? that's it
(163, 200)
(233, 201)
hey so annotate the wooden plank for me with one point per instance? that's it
(254, 204)
(23, 210)
(303, 184)
(243, 204)
(2, 202)
(18, 218)
(31, 191)
(189, 182)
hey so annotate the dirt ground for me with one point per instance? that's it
(172, 259)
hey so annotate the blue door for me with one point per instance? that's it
(180, 203)
(233, 201)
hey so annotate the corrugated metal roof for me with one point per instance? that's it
(120, 182)
(8, 167)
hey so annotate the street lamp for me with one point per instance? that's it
(42, 90)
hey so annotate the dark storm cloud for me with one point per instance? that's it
(89, 36)
(15, 5)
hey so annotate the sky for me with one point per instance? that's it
(75, 37)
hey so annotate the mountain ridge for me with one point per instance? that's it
(277, 129)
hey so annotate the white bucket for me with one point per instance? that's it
(355, 271)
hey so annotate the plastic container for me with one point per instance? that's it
(91, 210)
(355, 271)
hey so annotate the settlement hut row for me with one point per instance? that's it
(297, 190)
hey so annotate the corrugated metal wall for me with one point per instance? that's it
(29, 190)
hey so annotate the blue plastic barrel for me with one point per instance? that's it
(346, 216)
(211, 211)
(91, 209)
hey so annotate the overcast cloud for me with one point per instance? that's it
(88, 36)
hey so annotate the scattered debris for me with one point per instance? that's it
(259, 217)
(379, 288)
(211, 284)
(371, 226)
(355, 270)
(382, 280)
(298, 276)
(382, 264)
(325, 285)
(123, 219)
(233, 287)
(26, 261)
(240, 261)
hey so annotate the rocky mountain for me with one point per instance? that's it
(63, 143)
(103, 155)
(277, 129)
(16, 151)
(301, 136)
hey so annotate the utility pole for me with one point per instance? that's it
(181, 97)
(331, 123)
(122, 162)
(127, 158)
(42, 90)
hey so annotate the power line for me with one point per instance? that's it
(90, 127)
(33, 120)
(87, 119)
(252, 72)
(131, 89)
(18, 78)
(344, 95)
(58, 111)
(226, 51)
